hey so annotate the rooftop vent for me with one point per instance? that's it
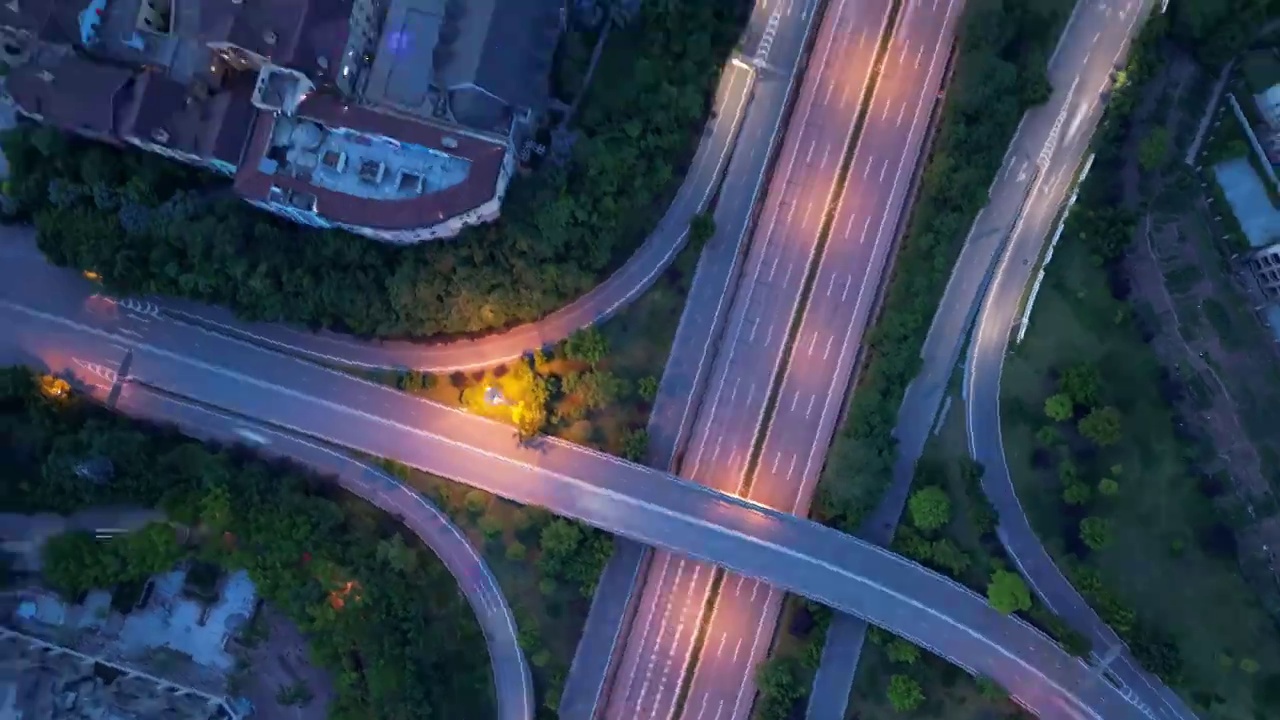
(270, 37)
(449, 142)
(45, 75)
(160, 135)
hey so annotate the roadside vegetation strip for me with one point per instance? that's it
(151, 226)
(993, 84)
(301, 542)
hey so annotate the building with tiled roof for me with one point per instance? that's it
(396, 119)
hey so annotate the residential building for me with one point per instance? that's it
(401, 120)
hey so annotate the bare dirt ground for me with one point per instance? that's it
(1205, 332)
(277, 660)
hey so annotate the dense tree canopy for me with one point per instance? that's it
(381, 613)
(151, 227)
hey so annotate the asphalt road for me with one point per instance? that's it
(821, 363)
(955, 317)
(55, 319)
(1114, 21)
(640, 271)
(512, 682)
(659, 648)
(778, 36)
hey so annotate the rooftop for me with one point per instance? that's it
(391, 172)
(70, 91)
(485, 57)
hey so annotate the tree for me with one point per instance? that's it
(701, 229)
(1059, 407)
(1153, 151)
(902, 651)
(635, 444)
(1049, 436)
(647, 388)
(1077, 494)
(990, 689)
(1108, 487)
(1008, 593)
(778, 681)
(945, 554)
(905, 693)
(1081, 382)
(587, 345)
(1095, 532)
(930, 508)
(1102, 426)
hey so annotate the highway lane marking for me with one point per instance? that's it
(902, 110)
(787, 279)
(825, 67)
(734, 394)
(827, 352)
(831, 285)
(753, 539)
(792, 466)
(813, 341)
(716, 454)
(883, 169)
(806, 415)
(812, 145)
(847, 280)
(773, 268)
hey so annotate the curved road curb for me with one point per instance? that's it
(512, 682)
(627, 283)
(1001, 307)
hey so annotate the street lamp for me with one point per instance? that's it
(493, 395)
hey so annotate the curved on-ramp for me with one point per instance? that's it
(512, 683)
(1000, 305)
(627, 283)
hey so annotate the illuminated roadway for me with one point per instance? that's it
(658, 650)
(50, 315)
(1064, 138)
(826, 343)
(1092, 42)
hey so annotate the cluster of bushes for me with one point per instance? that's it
(150, 226)
(560, 560)
(381, 614)
(930, 537)
(999, 73)
(784, 679)
(1081, 428)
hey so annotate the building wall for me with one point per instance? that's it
(1264, 264)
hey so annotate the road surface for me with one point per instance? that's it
(1093, 40)
(1036, 173)
(821, 363)
(512, 682)
(658, 650)
(778, 56)
(58, 323)
(1059, 158)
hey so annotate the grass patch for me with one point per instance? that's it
(1163, 526)
(1180, 280)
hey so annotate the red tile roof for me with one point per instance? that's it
(422, 211)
